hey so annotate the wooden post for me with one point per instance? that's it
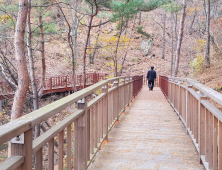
(50, 84)
(97, 125)
(219, 145)
(201, 125)
(131, 88)
(51, 154)
(123, 81)
(82, 137)
(180, 100)
(215, 146)
(22, 146)
(187, 105)
(61, 146)
(38, 159)
(66, 82)
(69, 147)
(116, 101)
(105, 111)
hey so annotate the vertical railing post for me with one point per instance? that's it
(66, 81)
(116, 101)
(179, 99)
(50, 84)
(124, 92)
(82, 139)
(201, 125)
(105, 111)
(187, 105)
(127, 90)
(131, 88)
(22, 146)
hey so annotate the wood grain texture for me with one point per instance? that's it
(12, 162)
(51, 154)
(69, 147)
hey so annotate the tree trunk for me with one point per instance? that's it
(192, 22)
(116, 52)
(180, 39)
(216, 49)
(127, 49)
(74, 37)
(140, 18)
(171, 70)
(85, 48)
(70, 42)
(31, 62)
(32, 72)
(89, 44)
(87, 40)
(164, 26)
(207, 54)
(42, 54)
(175, 29)
(23, 78)
(95, 47)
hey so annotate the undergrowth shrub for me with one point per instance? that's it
(198, 63)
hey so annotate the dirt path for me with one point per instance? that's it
(149, 136)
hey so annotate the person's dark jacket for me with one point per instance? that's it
(151, 75)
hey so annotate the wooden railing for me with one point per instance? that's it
(198, 107)
(56, 84)
(91, 122)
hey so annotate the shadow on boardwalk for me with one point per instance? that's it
(149, 136)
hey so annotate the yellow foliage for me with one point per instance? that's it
(98, 92)
(4, 18)
(198, 63)
(109, 43)
(191, 10)
(201, 45)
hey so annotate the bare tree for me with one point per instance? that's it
(127, 49)
(164, 27)
(172, 49)
(179, 42)
(207, 54)
(92, 15)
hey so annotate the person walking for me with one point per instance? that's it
(151, 76)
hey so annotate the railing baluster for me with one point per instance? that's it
(97, 124)
(51, 154)
(61, 146)
(219, 145)
(38, 159)
(201, 125)
(215, 133)
(69, 147)
(100, 119)
(105, 111)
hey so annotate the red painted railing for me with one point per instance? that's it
(56, 84)
(163, 84)
(137, 84)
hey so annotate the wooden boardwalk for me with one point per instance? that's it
(148, 136)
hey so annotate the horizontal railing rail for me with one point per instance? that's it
(86, 129)
(196, 104)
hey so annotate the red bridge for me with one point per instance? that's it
(56, 84)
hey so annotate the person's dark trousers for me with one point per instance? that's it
(151, 84)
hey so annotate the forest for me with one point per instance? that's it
(45, 38)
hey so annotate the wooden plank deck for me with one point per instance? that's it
(149, 136)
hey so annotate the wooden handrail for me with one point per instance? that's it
(203, 121)
(12, 163)
(92, 122)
